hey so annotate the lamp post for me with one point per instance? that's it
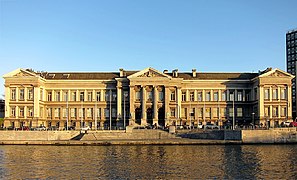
(125, 96)
(67, 111)
(110, 93)
(253, 118)
(233, 113)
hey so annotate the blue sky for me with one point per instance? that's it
(95, 35)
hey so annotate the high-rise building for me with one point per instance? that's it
(291, 47)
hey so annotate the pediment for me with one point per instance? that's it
(276, 73)
(149, 73)
(19, 73)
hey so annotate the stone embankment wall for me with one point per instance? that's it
(37, 135)
(277, 135)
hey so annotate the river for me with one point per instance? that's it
(149, 162)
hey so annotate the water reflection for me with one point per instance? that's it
(148, 162)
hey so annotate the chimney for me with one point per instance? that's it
(194, 72)
(121, 72)
(175, 73)
(165, 71)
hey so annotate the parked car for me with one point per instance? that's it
(293, 124)
(199, 126)
(24, 128)
(211, 126)
(286, 124)
(86, 128)
(40, 128)
(10, 128)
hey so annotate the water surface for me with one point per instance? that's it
(149, 162)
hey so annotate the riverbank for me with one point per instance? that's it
(149, 137)
(123, 142)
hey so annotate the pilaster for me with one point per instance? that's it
(143, 104)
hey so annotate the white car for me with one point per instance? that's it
(212, 126)
(86, 128)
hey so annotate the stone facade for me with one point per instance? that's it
(144, 97)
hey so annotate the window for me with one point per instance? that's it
(274, 94)
(81, 112)
(183, 96)
(12, 112)
(192, 112)
(267, 111)
(207, 96)
(21, 112)
(207, 112)
(284, 111)
(22, 95)
(239, 112)
(149, 96)
(283, 93)
(224, 96)
(64, 112)
(99, 112)
(215, 96)
(191, 96)
(57, 112)
(113, 112)
(30, 94)
(73, 96)
(239, 95)
(57, 96)
(231, 96)
(49, 112)
(12, 96)
(172, 112)
(89, 112)
(114, 96)
(65, 96)
(266, 94)
(73, 112)
(199, 96)
(231, 112)
(98, 96)
(106, 112)
(90, 95)
(172, 96)
(215, 112)
(82, 96)
(275, 111)
(137, 95)
(247, 95)
(161, 96)
(30, 111)
(200, 112)
(126, 96)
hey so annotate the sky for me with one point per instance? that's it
(105, 35)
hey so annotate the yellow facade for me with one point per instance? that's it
(148, 96)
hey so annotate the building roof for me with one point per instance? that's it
(217, 76)
(113, 75)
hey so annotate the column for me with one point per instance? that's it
(219, 95)
(143, 103)
(77, 95)
(102, 95)
(179, 99)
(25, 94)
(270, 112)
(132, 110)
(278, 94)
(119, 103)
(261, 102)
(155, 120)
(7, 101)
(243, 95)
(270, 93)
(167, 108)
(36, 107)
(235, 96)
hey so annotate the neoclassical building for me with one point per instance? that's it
(104, 99)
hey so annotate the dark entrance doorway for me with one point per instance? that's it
(161, 116)
(138, 115)
(149, 116)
